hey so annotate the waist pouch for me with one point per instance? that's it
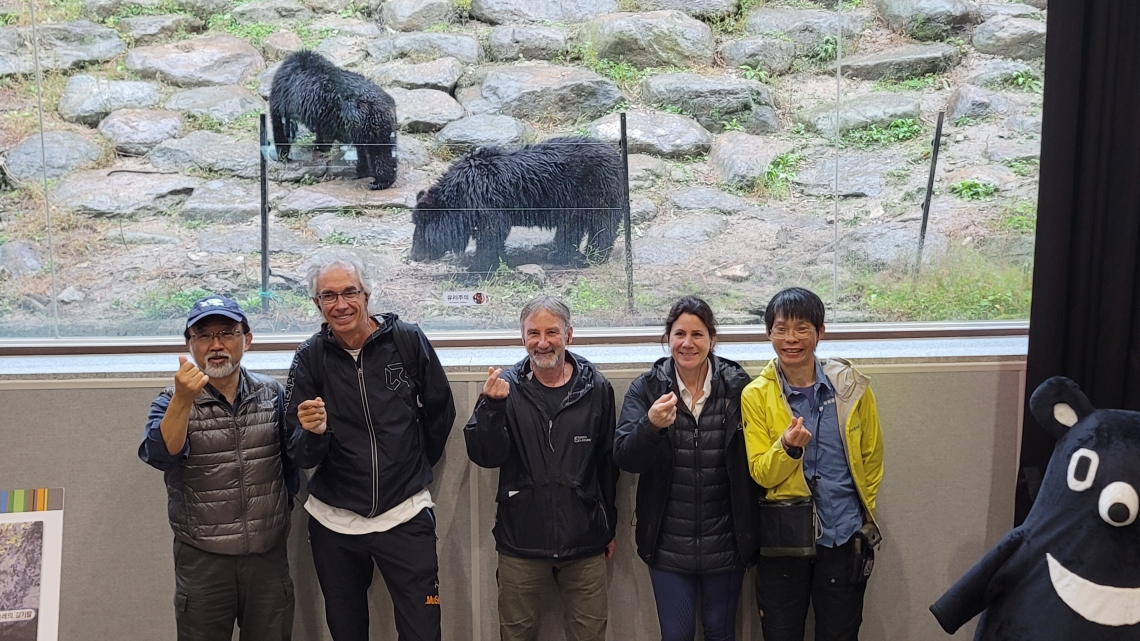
(787, 528)
(863, 554)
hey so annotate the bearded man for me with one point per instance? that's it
(218, 435)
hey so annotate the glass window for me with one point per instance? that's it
(768, 144)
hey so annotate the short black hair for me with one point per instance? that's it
(795, 303)
(186, 332)
(690, 305)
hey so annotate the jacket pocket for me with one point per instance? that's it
(583, 522)
(523, 520)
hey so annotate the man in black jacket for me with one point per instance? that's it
(369, 405)
(548, 423)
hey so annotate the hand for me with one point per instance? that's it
(496, 387)
(188, 380)
(312, 416)
(664, 411)
(796, 435)
(610, 547)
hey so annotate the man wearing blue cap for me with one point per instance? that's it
(218, 435)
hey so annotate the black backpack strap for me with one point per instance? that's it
(317, 363)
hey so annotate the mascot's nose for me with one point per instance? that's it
(1119, 504)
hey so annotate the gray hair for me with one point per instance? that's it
(345, 261)
(548, 304)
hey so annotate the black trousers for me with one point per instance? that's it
(406, 558)
(212, 591)
(786, 585)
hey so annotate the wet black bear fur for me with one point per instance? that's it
(571, 184)
(336, 105)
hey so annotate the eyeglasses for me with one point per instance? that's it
(207, 339)
(329, 298)
(802, 332)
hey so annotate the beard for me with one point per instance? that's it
(549, 360)
(219, 371)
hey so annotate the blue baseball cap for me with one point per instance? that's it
(214, 305)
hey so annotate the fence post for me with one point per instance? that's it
(929, 192)
(264, 215)
(626, 217)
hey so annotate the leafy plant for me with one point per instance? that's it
(965, 121)
(732, 125)
(673, 109)
(825, 52)
(781, 173)
(1024, 167)
(463, 5)
(623, 73)
(339, 238)
(754, 73)
(1020, 217)
(255, 33)
(1026, 80)
(972, 189)
(898, 131)
(913, 84)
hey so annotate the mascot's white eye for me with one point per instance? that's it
(1082, 469)
(1119, 504)
(1064, 414)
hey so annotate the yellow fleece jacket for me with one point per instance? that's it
(767, 414)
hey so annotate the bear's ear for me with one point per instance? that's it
(1058, 404)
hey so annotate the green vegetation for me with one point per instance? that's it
(506, 286)
(898, 131)
(158, 304)
(965, 121)
(913, 84)
(964, 285)
(898, 176)
(595, 295)
(339, 238)
(673, 109)
(1020, 217)
(312, 37)
(255, 33)
(463, 5)
(1024, 167)
(623, 73)
(244, 126)
(754, 73)
(733, 23)
(781, 174)
(973, 189)
(1025, 81)
(825, 52)
(732, 125)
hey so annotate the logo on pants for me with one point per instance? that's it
(432, 599)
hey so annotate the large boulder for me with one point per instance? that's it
(88, 99)
(107, 193)
(927, 19)
(346, 52)
(652, 39)
(860, 174)
(511, 11)
(279, 45)
(441, 74)
(65, 152)
(463, 135)
(806, 28)
(346, 26)
(224, 104)
(219, 154)
(968, 101)
(198, 62)
(223, 200)
(741, 160)
(428, 46)
(707, 199)
(654, 132)
(765, 53)
(999, 73)
(271, 12)
(900, 63)
(879, 109)
(415, 15)
(1008, 37)
(695, 8)
(61, 46)
(134, 132)
(1014, 9)
(529, 42)
(714, 100)
(424, 110)
(542, 91)
(146, 29)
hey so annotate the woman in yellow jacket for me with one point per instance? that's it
(811, 429)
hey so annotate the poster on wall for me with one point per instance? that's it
(31, 550)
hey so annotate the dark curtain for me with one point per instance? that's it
(1085, 319)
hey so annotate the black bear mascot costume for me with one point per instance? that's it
(1071, 572)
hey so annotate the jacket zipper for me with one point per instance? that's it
(371, 433)
(241, 481)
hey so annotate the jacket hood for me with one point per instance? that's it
(847, 381)
(731, 372)
(583, 383)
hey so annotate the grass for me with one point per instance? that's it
(255, 33)
(928, 81)
(312, 37)
(244, 126)
(973, 189)
(340, 238)
(159, 304)
(1025, 167)
(898, 131)
(589, 295)
(622, 73)
(964, 285)
(1020, 217)
(965, 121)
(781, 174)
(730, 24)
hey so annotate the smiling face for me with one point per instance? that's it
(345, 317)
(218, 357)
(546, 338)
(689, 342)
(794, 340)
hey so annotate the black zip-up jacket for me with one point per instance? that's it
(557, 480)
(379, 448)
(639, 448)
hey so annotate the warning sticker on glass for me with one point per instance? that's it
(464, 298)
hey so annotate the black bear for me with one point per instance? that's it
(1071, 572)
(336, 105)
(571, 184)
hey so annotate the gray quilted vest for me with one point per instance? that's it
(228, 496)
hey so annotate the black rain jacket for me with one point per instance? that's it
(384, 432)
(641, 449)
(557, 480)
